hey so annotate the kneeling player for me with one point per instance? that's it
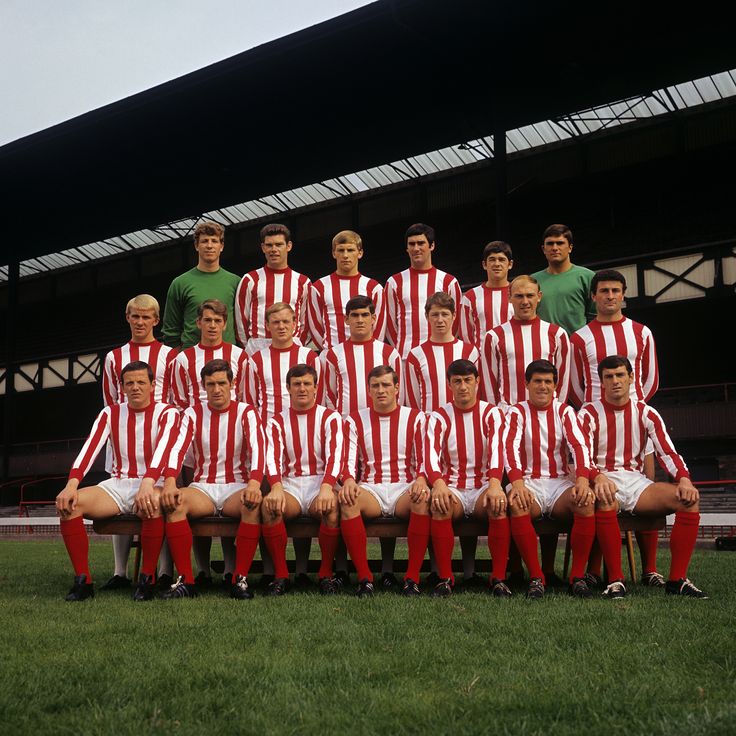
(540, 434)
(141, 433)
(463, 460)
(617, 428)
(227, 440)
(385, 440)
(304, 457)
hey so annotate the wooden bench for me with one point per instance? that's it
(304, 526)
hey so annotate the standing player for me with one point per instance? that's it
(207, 280)
(541, 432)
(385, 440)
(141, 433)
(488, 305)
(464, 464)
(407, 292)
(617, 428)
(329, 295)
(227, 441)
(305, 447)
(273, 282)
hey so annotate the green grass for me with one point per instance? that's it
(306, 664)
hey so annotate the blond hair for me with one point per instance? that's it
(347, 237)
(277, 307)
(143, 301)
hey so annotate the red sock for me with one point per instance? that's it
(595, 559)
(179, 536)
(499, 538)
(647, 542)
(152, 539)
(581, 540)
(353, 532)
(275, 538)
(246, 544)
(329, 539)
(443, 542)
(77, 545)
(608, 534)
(526, 540)
(682, 542)
(417, 539)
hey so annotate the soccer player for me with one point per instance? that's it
(329, 295)
(617, 428)
(305, 446)
(464, 464)
(273, 282)
(566, 286)
(541, 432)
(407, 292)
(207, 280)
(385, 442)
(227, 440)
(488, 305)
(141, 432)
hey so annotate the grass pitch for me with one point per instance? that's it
(305, 664)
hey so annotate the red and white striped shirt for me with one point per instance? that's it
(405, 294)
(387, 447)
(482, 309)
(464, 446)
(266, 377)
(186, 380)
(305, 443)
(617, 437)
(538, 442)
(156, 354)
(597, 340)
(346, 368)
(261, 288)
(140, 440)
(228, 444)
(510, 347)
(426, 372)
(327, 300)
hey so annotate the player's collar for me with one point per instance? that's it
(143, 344)
(393, 411)
(266, 267)
(220, 411)
(210, 347)
(303, 412)
(610, 321)
(615, 407)
(469, 409)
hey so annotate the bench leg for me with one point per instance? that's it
(137, 559)
(566, 564)
(630, 553)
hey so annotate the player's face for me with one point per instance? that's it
(440, 322)
(302, 392)
(360, 324)
(616, 384)
(211, 326)
(525, 298)
(557, 249)
(609, 298)
(346, 256)
(541, 389)
(137, 388)
(142, 322)
(383, 392)
(209, 248)
(419, 250)
(276, 248)
(464, 390)
(281, 325)
(497, 266)
(218, 387)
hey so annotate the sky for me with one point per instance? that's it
(62, 58)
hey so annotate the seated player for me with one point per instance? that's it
(305, 445)
(464, 465)
(141, 433)
(617, 428)
(385, 441)
(540, 434)
(227, 440)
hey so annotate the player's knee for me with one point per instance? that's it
(349, 512)
(588, 510)
(421, 508)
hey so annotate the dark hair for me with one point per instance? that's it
(216, 366)
(214, 305)
(558, 230)
(461, 367)
(299, 370)
(607, 274)
(419, 228)
(383, 370)
(614, 361)
(540, 366)
(440, 299)
(360, 302)
(209, 228)
(498, 246)
(136, 365)
(274, 228)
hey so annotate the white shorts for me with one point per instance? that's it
(123, 491)
(630, 484)
(304, 488)
(387, 495)
(468, 498)
(218, 493)
(546, 491)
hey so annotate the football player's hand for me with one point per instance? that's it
(147, 499)
(494, 499)
(250, 496)
(66, 501)
(443, 499)
(326, 499)
(604, 489)
(171, 495)
(275, 501)
(687, 492)
(581, 493)
(520, 496)
(349, 492)
(419, 490)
